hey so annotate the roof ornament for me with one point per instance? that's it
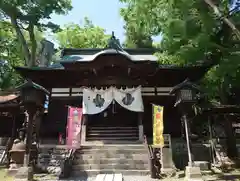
(114, 43)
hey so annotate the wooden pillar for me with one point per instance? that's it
(187, 135)
(140, 127)
(231, 139)
(38, 121)
(84, 119)
(31, 113)
(140, 118)
(212, 152)
(13, 134)
(84, 128)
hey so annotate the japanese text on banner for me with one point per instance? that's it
(74, 127)
(158, 126)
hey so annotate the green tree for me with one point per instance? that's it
(10, 56)
(85, 36)
(191, 34)
(26, 15)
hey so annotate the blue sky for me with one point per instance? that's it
(104, 13)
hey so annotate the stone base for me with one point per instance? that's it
(24, 174)
(203, 165)
(193, 174)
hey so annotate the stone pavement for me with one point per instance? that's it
(233, 176)
(140, 178)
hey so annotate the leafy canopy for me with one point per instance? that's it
(10, 55)
(191, 33)
(85, 36)
(25, 15)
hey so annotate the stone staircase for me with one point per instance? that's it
(128, 159)
(51, 159)
(112, 134)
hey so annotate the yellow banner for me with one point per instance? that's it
(158, 126)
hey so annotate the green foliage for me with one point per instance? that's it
(34, 10)
(138, 32)
(85, 36)
(10, 55)
(26, 15)
(191, 32)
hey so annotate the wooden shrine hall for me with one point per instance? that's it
(116, 69)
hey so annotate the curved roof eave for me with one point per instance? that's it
(7, 98)
(88, 58)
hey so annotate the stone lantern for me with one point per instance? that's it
(33, 98)
(186, 96)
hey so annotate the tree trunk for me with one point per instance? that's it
(21, 40)
(230, 137)
(32, 62)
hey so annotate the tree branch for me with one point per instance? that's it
(226, 20)
(21, 26)
(21, 39)
(34, 44)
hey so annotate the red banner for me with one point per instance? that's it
(74, 127)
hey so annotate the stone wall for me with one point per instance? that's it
(201, 152)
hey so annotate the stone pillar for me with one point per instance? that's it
(140, 127)
(192, 171)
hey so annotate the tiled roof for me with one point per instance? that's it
(90, 57)
(7, 98)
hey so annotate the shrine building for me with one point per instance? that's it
(115, 87)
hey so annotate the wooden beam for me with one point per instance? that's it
(95, 71)
(129, 70)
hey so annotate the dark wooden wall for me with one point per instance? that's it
(55, 121)
(171, 116)
(7, 124)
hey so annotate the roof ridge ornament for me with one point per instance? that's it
(114, 43)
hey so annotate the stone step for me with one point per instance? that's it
(112, 155)
(44, 156)
(110, 161)
(111, 138)
(55, 152)
(129, 166)
(111, 142)
(112, 134)
(112, 128)
(112, 150)
(77, 173)
(114, 146)
(111, 131)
